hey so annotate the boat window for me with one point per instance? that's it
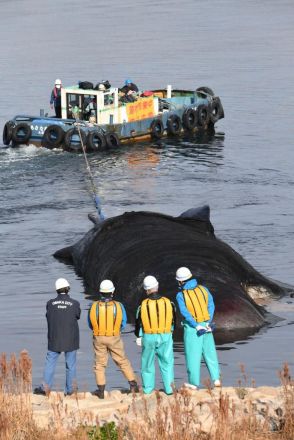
(80, 106)
(89, 106)
(108, 98)
(73, 102)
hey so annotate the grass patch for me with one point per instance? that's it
(179, 417)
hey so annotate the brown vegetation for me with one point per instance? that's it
(175, 417)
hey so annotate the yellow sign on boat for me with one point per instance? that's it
(141, 109)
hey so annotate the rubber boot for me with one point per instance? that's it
(100, 391)
(133, 386)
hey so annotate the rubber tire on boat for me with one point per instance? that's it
(96, 141)
(216, 110)
(174, 125)
(156, 128)
(22, 126)
(112, 140)
(203, 115)
(68, 137)
(7, 132)
(56, 131)
(189, 118)
(206, 90)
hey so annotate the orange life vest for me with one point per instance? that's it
(106, 318)
(196, 301)
(157, 315)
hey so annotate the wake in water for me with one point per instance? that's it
(24, 152)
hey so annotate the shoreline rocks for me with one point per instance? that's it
(205, 406)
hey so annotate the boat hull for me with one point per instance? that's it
(186, 113)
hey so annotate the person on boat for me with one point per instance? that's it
(55, 99)
(107, 318)
(91, 108)
(197, 309)
(155, 322)
(128, 92)
(62, 315)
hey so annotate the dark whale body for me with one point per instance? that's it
(128, 247)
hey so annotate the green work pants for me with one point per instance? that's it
(196, 347)
(162, 346)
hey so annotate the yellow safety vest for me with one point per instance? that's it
(106, 318)
(157, 315)
(196, 301)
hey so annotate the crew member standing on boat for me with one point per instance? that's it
(197, 308)
(55, 99)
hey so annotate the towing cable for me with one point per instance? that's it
(91, 178)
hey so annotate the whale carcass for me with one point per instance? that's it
(130, 246)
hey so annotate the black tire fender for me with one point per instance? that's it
(69, 146)
(53, 136)
(189, 118)
(174, 125)
(112, 140)
(206, 90)
(7, 132)
(156, 128)
(216, 110)
(203, 115)
(96, 141)
(21, 133)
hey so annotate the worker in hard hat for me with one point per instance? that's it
(55, 99)
(128, 93)
(197, 308)
(107, 318)
(62, 313)
(155, 322)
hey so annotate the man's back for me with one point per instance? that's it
(62, 315)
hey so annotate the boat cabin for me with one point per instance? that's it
(104, 107)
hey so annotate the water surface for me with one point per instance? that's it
(242, 50)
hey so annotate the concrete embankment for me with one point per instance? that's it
(204, 407)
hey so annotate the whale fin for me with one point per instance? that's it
(64, 254)
(201, 213)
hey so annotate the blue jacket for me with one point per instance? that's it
(188, 318)
(124, 317)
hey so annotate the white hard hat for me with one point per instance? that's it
(61, 283)
(106, 286)
(150, 282)
(58, 82)
(183, 274)
(101, 87)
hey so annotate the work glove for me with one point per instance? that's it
(139, 342)
(201, 330)
(210, 327)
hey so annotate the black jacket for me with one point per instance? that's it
(62, 316)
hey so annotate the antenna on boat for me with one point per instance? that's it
(91, 178)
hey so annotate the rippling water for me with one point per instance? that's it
(245, 52)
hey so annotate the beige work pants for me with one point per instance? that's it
(113, 345)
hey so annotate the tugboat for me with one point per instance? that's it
(99, 117)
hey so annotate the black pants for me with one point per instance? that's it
(58, 111)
